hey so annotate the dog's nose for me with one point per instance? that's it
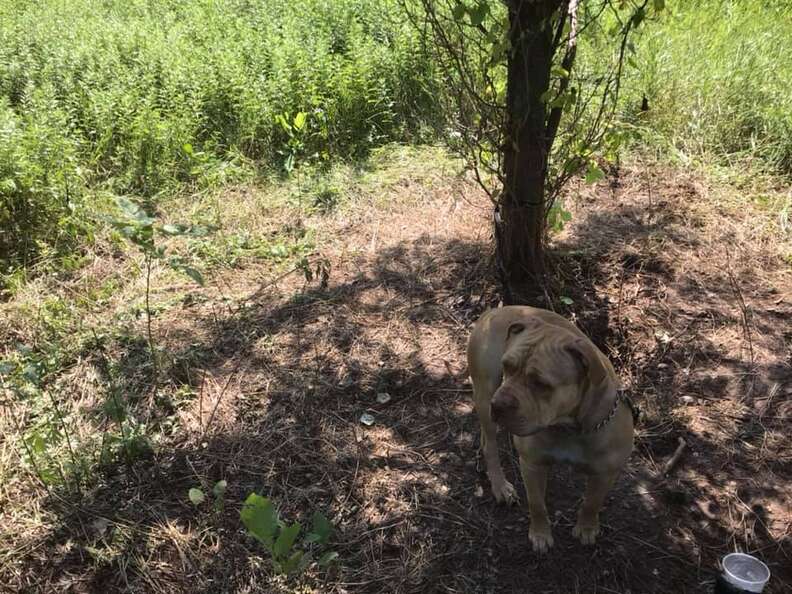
(503, 405)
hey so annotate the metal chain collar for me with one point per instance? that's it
(620, 397)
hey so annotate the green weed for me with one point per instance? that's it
(144, 98)
(289, 555)
(715, 74)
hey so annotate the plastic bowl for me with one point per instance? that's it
(745, 572)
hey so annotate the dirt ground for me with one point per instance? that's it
(684, 289)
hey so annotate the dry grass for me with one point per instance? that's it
(678, 280)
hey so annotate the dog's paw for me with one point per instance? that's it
(541, 538)
(504, 492)
(586, 532)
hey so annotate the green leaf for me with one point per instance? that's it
(638, 16)
(188, 148)
(173, 229)
(459, 12)
(478, 13)
(200, 230)
(659, 5)
(285, 540)
(299, 120)
(260, 518)
(327, 558)
(6, 367)
(8, 186)
(321, 529)
(281, 119)
(565, 300)
(196, 496)
(193, 274)
(292, 563)
(129, 207)
(594, 173)
(219, 489)
(37, 443)
(134, 212)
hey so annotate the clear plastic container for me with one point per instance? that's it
(745, 572)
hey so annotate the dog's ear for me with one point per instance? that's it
(597, 388)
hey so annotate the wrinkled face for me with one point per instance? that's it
(541, 379)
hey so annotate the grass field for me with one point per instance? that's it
(147, 98)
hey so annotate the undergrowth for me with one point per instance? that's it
(144, 98)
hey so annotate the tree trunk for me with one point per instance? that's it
(519, 222)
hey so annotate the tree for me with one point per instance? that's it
(515, 90)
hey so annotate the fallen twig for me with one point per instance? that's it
(672, 461)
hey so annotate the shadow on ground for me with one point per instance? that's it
(300, 365)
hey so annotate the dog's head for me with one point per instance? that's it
(551, 375)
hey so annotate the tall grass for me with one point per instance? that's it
(717, 75)
(140, 96)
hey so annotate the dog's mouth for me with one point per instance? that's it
(520, 427)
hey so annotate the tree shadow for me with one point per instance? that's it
(296, 368)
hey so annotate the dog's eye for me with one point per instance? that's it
(538, 382)
(509, 366)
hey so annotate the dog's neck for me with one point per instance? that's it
(571, 424)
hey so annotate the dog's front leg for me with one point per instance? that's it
(502, 489)
(535, 481)
(597, 487)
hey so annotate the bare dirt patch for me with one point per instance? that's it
(688, 296)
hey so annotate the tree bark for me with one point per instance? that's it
(519, 221)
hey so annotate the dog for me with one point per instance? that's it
(540, 378)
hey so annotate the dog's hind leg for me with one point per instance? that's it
(502, 489)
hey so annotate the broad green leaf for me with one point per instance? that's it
(299, 120)
(459, 11)
(188, 148)
(327, 558)
(594, 173)
(196, 496)
(565, 300)
(322, 528)
(285, 540)
(478, 13)
(260, 518)
(127, 206)
(193, 273)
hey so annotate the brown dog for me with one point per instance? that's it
(539, 377)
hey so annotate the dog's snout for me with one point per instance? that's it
(503, 405)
